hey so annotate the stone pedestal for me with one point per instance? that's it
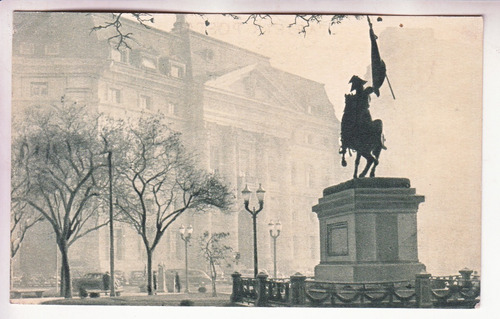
(368, 231)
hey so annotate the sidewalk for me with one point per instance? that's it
(162, 299)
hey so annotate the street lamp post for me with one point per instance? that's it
(186, 236)
(274, 231)
(246, 197)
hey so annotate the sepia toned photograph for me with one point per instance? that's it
(246, 160)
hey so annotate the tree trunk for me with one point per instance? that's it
(214, 279)
(65, 273)
(61, 286)
(149, 253)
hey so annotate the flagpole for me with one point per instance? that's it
(390, 87)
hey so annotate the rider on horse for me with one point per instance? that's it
(357, 126)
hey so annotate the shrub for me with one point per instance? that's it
(186, 302)
(83, 292)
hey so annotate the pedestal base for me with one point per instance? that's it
(367, 272)
(368, 231)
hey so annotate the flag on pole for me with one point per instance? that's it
(378, 65)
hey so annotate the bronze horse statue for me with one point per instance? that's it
(358, 132)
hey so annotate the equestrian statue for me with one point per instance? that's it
(359, 133)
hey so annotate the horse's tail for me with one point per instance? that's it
(343, 151)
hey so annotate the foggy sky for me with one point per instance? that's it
(433, 128)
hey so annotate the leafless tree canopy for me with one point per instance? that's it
(57, 158)
(159, 181)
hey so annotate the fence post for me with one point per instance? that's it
(297, 289)
(261, 291)
(236, 295)
(423, 290)
(465, 280)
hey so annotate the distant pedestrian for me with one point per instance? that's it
(155, 282)
(106, 278)
(177, 282)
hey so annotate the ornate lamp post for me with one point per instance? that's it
(246, 197)
(274, 231)
(186, 236)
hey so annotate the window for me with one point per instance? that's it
(177, 70)
(145, 102)
(309, 176)
(39, 89)
(148, 62)
(52, 49)
(337, 241)
(119, 55)
(114, 96)
(27, 48)
(172, 109)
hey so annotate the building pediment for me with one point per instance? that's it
(255, 82)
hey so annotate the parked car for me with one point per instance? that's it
(198, 279)
(91, 281)
(120, 277)
(137, 278)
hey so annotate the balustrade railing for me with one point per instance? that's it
(249, 289)
(462, 291)
(278, 291)
(451, 290)
(381, 294)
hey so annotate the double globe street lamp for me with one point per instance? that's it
(274, 231)
(246, 198)
(186, 236)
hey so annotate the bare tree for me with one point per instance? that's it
(158, 181)
(64, 158)
(214, 251)
(115, 22)
(22, 217)
(262, 21)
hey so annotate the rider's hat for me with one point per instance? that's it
(355, 81)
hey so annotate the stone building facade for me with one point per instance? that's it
(250, 122)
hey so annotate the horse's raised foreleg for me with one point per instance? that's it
(356, 164)
(369, 161)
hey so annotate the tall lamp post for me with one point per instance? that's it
(274, 231)
(246, 197)
(186, 236)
